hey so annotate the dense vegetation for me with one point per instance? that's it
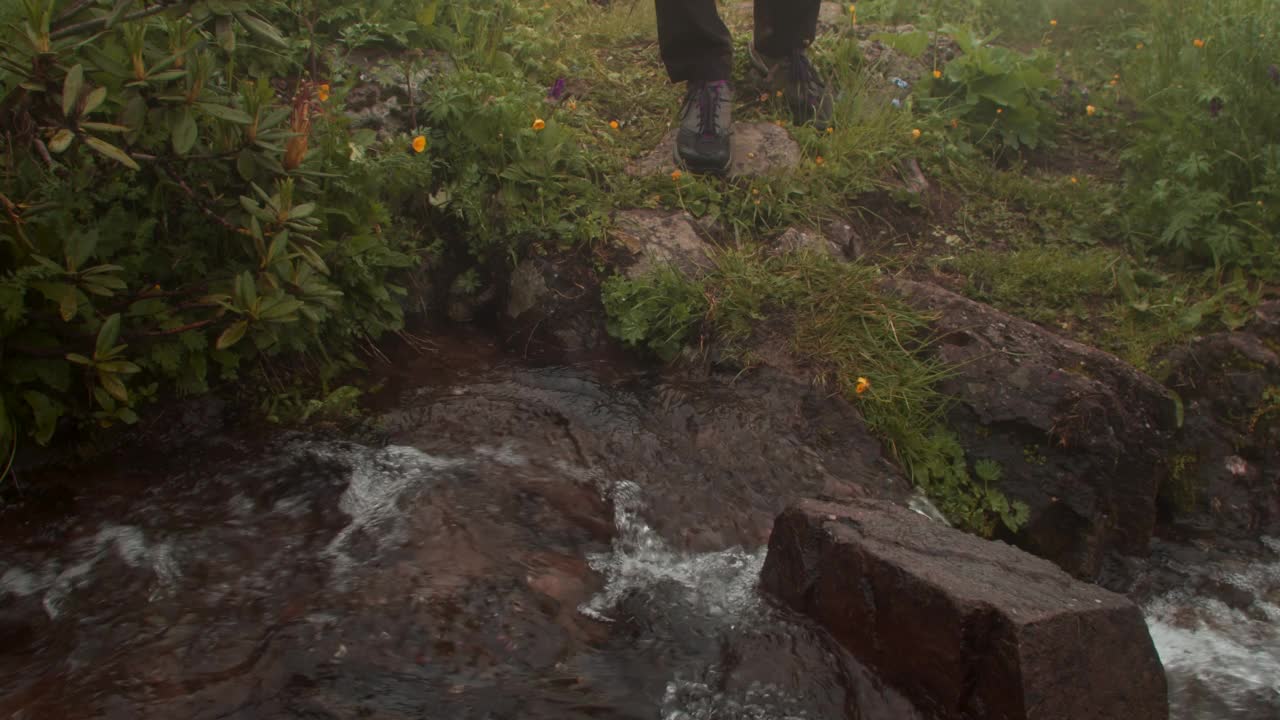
(191, 194)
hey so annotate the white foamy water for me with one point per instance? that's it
(56, 581)
(380, 478)
(721, 584)
(699, 701)
(1222, 662)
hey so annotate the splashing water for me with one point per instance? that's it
(1222, 661)
(721, 584)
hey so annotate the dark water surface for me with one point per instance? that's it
(515, 543)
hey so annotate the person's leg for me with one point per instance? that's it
(783, 26)
(693, 40)
(696, 48)
(783, 30)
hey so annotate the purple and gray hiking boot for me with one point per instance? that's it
(807, 96)
(706, 128)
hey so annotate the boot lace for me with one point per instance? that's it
(708, 98)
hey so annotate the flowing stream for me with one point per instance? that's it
(514, 543)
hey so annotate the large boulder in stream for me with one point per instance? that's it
(968, 628)
(1081, 436)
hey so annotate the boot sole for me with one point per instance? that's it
(696, 169)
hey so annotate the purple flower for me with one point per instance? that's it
(1274, 72)
(557, 91)
(1215, 107)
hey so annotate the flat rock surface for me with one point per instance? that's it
(967, 627)
(657, 238)
(758, 149)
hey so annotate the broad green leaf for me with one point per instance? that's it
(112, 384)
(127, 416)
(79, 248)
(185, 132)
(232, 335)
(61, 141)
(230, 114)
(71, 89)
(46, 413)
(69, 304)
(94, 100)
(246, 164)
(107, 336)
(79, 359)
(261, 29)
(104, 127)
(302, 211)
(283, 310)
(108, 150)
(279, 244)
(120, 367)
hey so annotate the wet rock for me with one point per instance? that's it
(758, 149)
(553, 307)
(966, 627)
(528, 288)
(1225, 464)
(1080, 436)
(466, 301)
(656, 238)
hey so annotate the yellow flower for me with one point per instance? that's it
(419, 144)
(322, 92)
(1114, 82)
(955, 123)
(853, 14)
(999, 111)
(1053, 23)
(862, 385)
(1090, 110)
(1140, 46)
(831, 130)
(572, 105)
(755, 191)
(757, 201)
(937, 74)
(819, 160)
(539, 124)
(614, 124)
(1198, 43)
(1074, 180)
(915, 134)
(676, 175)
(764, 97)
(779, 93)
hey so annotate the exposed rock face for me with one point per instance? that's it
(1081, 436)
(656, 238)
(758, 149)
(966, 627)
(1225, 466)
(553, 307)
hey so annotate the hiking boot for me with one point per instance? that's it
(703, 142)
(807, 96)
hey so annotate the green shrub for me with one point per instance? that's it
(169, 220)
(658, 311)
(1000, 94)
(1204, 166)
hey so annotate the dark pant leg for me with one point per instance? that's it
(694, 42)
(785, 25)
